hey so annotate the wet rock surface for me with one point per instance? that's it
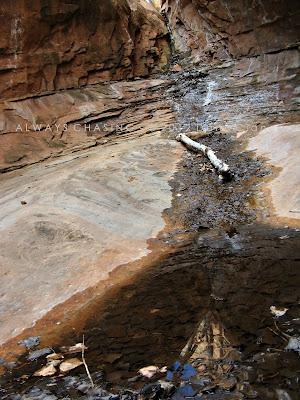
(201, 303)
(211, 298)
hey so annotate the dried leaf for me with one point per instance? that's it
(201, 368)
(77, 348)
(48, 370)
(278, 311)
(55, 363)
(227, 384)
(55, 356)
(149, 371)
(70, 364)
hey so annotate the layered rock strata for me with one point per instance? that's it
(51, 45)
(37, 128)
(214, 31)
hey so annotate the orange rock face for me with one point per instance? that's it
(48, 45)
(214, 31)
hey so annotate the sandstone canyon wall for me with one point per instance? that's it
(48, 45)
(218, 30)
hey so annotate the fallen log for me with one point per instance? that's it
(221, 167)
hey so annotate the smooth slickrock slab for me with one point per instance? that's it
(280, 144)
(84, 215)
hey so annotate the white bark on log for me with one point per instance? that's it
(220, 166)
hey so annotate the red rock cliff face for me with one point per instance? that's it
(47, 45)
(216, 30)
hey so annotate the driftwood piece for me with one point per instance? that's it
(222, 168)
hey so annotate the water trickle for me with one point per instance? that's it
(211, 85)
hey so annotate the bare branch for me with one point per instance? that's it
(222, 168)
(85, 364)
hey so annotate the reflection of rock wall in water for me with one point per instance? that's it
(51, 45)
(211, 31)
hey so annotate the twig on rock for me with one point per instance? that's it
(277, 334)
(85, 364)
(222, 168)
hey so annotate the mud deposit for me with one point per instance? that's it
(207, 287)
